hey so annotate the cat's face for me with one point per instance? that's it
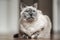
(29, 13)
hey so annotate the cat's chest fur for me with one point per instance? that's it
(40, 23)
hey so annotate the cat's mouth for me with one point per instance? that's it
(31, 19)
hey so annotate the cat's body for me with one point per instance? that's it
(34, 24)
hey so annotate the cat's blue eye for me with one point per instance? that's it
(26, 11)
(33, 10)
(24, 16)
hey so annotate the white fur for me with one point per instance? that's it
(42, 21)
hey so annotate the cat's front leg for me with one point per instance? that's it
(25, 30)
(35, 35)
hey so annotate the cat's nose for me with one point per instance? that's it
(30, 14)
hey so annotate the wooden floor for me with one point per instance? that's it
(54, 37)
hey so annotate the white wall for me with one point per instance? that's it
(3, 16)
(56, 15)
(9, 16)
(13, 15)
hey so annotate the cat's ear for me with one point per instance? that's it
(22, 6)
(35, 5)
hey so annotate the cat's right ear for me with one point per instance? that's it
(22, 6)
(35, 5)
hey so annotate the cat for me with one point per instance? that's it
(33, 24)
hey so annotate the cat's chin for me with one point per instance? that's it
(30, 19)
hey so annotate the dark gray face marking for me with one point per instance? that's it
(29, 14)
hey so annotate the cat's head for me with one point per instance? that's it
(29, 13)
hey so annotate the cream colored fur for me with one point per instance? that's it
(42, 21)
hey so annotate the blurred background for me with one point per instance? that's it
(9, 15)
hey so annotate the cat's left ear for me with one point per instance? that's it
(35, 5)
(22, 6)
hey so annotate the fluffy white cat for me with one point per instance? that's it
(34, 23)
